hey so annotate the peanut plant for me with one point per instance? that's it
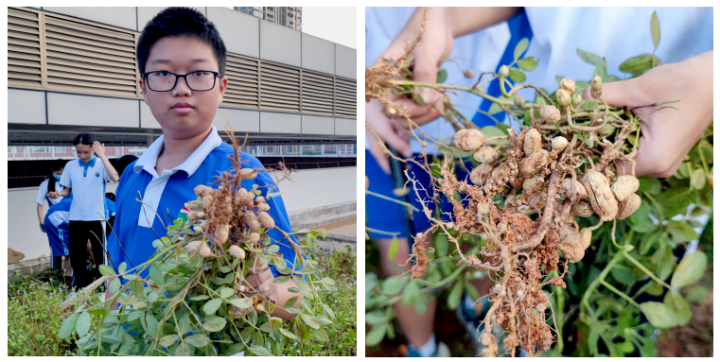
(554, 213)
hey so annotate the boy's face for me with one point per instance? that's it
(182, 112)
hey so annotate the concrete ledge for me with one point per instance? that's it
(29, 266)
(334, 243)
(299, 216)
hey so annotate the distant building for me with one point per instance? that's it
(290, 17)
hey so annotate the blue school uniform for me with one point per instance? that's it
(137, 225)
(57, 221)
(88, 181)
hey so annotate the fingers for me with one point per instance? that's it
(377, 151)
(618, 94)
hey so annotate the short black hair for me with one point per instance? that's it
(84, 138)
(123, 162)
(110, 195)
(180, 21)
(58, 165)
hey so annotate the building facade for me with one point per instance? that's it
(290, 17)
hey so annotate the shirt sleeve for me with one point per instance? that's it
(42, 193)
(66, 180)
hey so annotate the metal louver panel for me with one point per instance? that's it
(243, 88)
(279, 87)
(89, 58)
(24, 55)
(317, 93)
(345, 97)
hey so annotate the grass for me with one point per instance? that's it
(35, 316)
(340, 266)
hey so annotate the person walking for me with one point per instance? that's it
(88, 210)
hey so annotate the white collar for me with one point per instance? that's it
(148, 160)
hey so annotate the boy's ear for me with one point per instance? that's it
(143, 89)
(221, 87)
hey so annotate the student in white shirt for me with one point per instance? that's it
(88, 211)
(51, 183)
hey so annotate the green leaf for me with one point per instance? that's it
(602, 72)
(287, 333)
(259, 350)
(149, 323)
(106, 270)
(182, 350)
(442, 76)
(376, 335)
(698, 179)
(302, 285)
(212, 306)
(622, 275)
(591, 58)
(681, 231)
(455, 295)
(412, 291)
(655, 29)
(658, 314)
(675, 200)
(321, 335)
(690, 269)
(589, 105)
(681, 310)
(495, 108)
(527, 64)
(123, 268)
(198, 340)
(310, 321)
(696, 294)
(517, 75)
(226, 293)
(322, 320)
(199, 298)
(290, 302)
(243, 303)
(167, 340)
(491, 131)
(393, 247)
(115, 285)
(329, 311)
(521, 47)
(394, 285)
(639, 64)
(214, 324)
(82, 326)
(281, 280)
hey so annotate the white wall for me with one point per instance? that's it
(336, 24)
(308, 189)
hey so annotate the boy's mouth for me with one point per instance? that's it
(182, 107)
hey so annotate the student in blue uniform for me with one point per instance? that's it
(57, 221)
(51, 184)
(86, 179)
(181, 59)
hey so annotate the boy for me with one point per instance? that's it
(181, 59)
(57, 227)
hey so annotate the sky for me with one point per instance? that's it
(335, 24)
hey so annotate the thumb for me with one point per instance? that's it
(425, 71)
(617, 94)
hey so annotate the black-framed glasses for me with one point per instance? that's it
(164, 81)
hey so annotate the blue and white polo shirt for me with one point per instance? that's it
(87, 181)
(168, 192)
(57, 221)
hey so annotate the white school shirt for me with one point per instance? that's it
(480, 52)
(616, 34)
(154, 190)
(88, 187)
(43, 191)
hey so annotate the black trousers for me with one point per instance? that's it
(80, 233)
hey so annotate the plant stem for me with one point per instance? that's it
(448, 86)
(393, 200)
(623, 295)
(596, 282)
(648, 272)
(661, 217)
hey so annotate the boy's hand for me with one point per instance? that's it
(53, 194)
(389, 131)
(99, 149)
(669, 134)
(436, 45)
(260, 280)
(42, 227)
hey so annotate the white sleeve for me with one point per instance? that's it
(42, 192)
(66, 180)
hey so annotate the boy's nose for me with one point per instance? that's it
(181, 88)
